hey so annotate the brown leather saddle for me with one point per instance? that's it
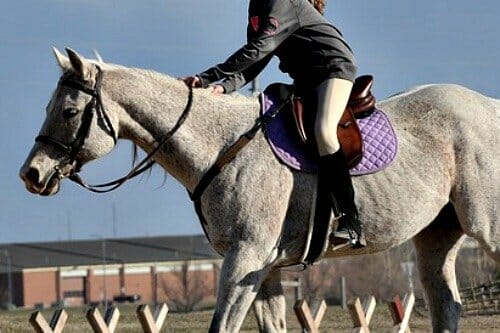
(361, 104)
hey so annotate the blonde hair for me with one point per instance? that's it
(319, 5)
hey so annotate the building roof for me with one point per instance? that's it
(117, 251)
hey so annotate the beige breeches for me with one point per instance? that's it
(333, 95)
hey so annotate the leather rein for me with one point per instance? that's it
(96, 106)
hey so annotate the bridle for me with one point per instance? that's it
(96, 106)
(74, 148)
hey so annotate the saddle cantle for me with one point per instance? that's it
(361, 104)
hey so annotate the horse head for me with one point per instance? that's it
(77, 129)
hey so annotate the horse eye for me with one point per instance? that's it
(70, 112)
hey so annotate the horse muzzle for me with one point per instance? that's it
(46, 182)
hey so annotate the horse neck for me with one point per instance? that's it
(154, 102)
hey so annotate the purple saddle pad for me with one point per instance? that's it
(379, 142)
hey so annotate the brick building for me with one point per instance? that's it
(173, 269)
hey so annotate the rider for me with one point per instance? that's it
(317, 57)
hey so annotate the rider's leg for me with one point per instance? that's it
(333, 95)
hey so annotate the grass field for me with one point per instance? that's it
(335, 320)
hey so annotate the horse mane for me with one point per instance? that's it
(172, 82)
(237, 99)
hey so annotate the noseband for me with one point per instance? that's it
(74, 148)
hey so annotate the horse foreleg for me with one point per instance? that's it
(269, 305)
(437, 247)
(243, 271)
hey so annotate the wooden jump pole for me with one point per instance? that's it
(361, 314)
(309, 321)
(106, 325)
(401, 312)
(57, 322)
(152, 323)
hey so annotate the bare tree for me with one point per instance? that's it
(188, 291)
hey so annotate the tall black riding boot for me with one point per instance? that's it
(334, 175)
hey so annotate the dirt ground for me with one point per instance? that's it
(335, 320)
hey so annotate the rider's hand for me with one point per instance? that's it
(192, 81)
(217, 89)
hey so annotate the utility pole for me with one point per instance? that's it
(68, 222)
(103, 246)
(105, 287)
(343, 292)
(115, 226)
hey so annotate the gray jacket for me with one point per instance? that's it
(309, 48)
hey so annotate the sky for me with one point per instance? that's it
(402, 43)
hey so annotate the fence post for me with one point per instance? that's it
(401, 312)
(56, 323)
(152, 323)
(106, 325)
(309, 321)
(361, 314)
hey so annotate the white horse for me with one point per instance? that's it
(444, 183)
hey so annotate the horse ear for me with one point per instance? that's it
(62, 60)
(98, 56)
(80, 66)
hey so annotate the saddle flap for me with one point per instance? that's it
(348, 132)
(361, 104)
(350, 139)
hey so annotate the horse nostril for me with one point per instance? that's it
(32, 175)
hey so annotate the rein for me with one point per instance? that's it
(75, 147)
